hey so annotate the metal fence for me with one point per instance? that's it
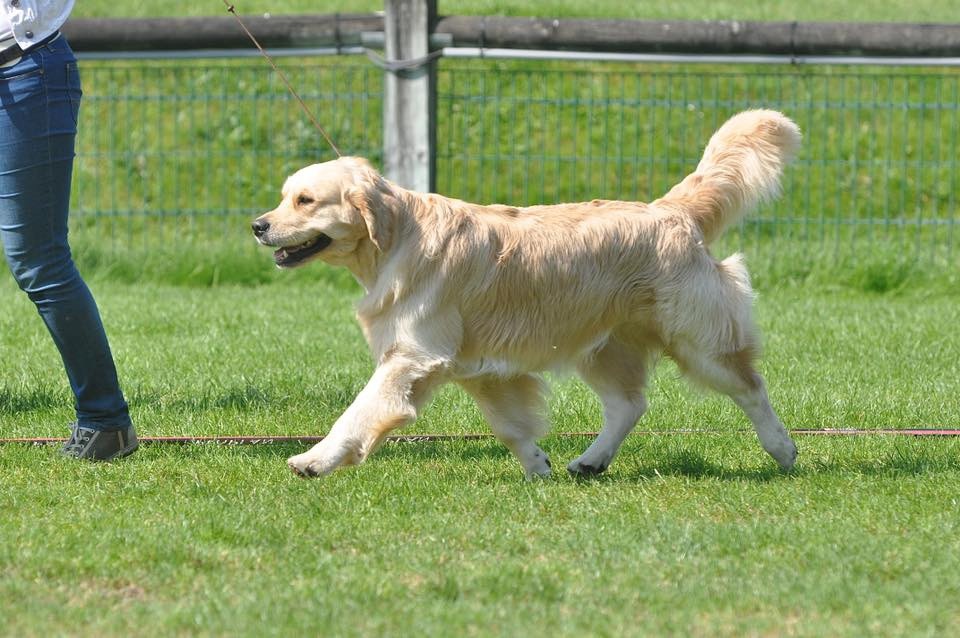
(166, 146)
(186, 151)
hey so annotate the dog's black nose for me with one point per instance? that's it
(260, 227)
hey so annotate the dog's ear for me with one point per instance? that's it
(369, 204)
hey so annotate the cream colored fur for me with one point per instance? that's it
(490, 296)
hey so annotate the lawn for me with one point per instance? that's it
(687, 534)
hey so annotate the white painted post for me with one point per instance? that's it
(409, 101)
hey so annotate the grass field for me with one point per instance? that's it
(686, 535)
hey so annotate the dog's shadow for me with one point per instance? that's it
(904, 459)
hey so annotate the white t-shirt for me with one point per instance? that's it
(6, 32)
(6, 38)
(33, 21)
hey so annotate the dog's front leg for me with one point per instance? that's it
(397, 389)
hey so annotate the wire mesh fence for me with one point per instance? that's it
(879, 162)
(169, 151)
(188, 151)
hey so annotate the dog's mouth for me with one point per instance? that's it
(290, 256)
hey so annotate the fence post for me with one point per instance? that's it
(409, 101)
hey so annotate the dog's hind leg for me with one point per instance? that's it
(516, 410)
(397, 390)
(618, 374)
(734, 375)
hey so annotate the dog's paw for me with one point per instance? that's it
(538, 473)
(580, 468)
(305, 467)
(786, 456)
(537, 466)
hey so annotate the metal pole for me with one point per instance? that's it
(409, 109)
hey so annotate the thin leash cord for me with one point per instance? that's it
(922, 432)
(232, 10)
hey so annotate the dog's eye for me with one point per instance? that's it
(304, 200)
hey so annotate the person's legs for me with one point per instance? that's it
(39, 102)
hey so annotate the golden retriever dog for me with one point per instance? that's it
(489, 297)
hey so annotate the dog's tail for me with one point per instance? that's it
(741, 167)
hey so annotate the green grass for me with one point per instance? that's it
(687, 534)
(692, 534)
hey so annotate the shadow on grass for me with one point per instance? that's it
(693, 464)
(906, 458)
(425, 455)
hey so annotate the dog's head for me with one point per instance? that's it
(329, 211)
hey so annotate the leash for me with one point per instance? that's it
(427, 438)
(232, 10)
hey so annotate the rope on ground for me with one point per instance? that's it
(425, 438)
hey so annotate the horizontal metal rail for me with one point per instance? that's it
(536, 55)
(694, 58)
(706, 36)
(212, 54)
(790, 40)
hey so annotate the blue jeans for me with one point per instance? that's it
(39, 103)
